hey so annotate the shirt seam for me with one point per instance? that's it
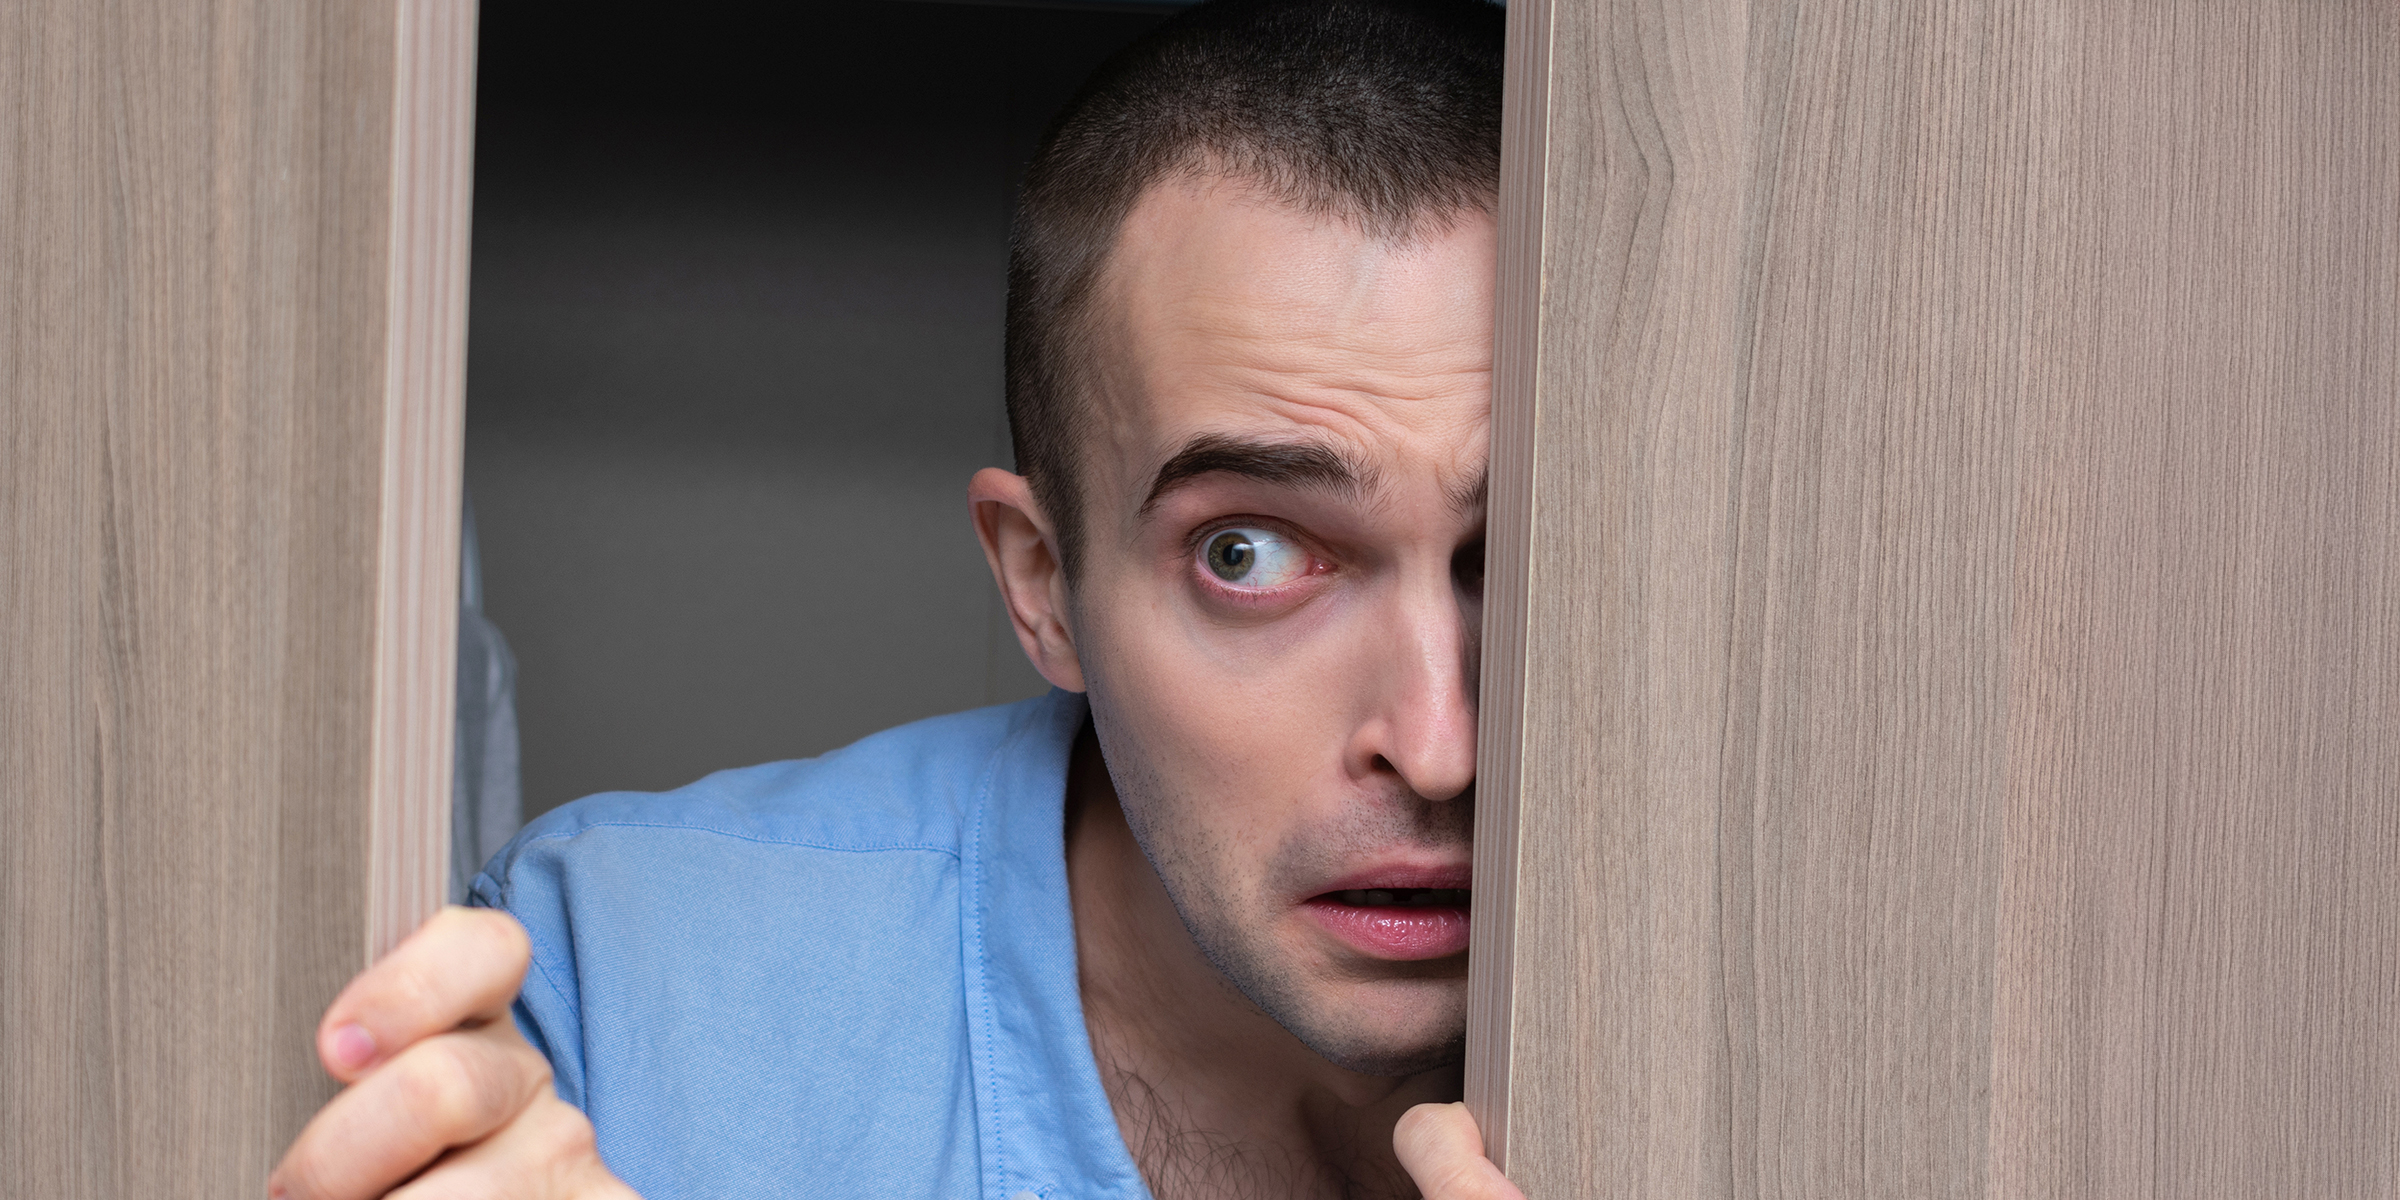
(540, 947)
(541, 973)
(983, 958)
(837, 848)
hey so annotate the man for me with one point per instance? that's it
(1196, 921)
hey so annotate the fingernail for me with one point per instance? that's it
(351, 1046)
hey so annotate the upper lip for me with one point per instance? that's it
(1400, 876)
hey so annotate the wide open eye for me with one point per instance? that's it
(1252, 558)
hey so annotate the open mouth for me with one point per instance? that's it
(1401, 897)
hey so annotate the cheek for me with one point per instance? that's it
(1230, 750)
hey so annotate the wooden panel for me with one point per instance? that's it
(424, 433)
(1947, 474)
(1609, 542)
(214, 415)
(2199, 941)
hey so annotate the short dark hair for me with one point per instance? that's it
(1385, 112)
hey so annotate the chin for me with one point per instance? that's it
(1389, 1028)
(1378, 1052)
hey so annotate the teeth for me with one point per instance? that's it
(1405, 897)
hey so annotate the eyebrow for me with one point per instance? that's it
(1472, 497)
(1288, 464)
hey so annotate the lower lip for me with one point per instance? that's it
(1398, 933)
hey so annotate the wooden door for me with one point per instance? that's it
(1942, 702)
(232, 269)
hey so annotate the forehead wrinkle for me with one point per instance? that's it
(1378, 419)
(1286, 343)
(1231, 312)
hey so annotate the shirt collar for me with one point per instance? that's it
(1046, 1125)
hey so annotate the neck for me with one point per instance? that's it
(1214, 1098)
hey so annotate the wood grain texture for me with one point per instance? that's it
(1499, 733)
(2199, 941)
(199, 315)
(424, 435)
(1950, 746)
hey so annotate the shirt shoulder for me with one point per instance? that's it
(743, 979)
(909, 787)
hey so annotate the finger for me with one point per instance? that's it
(547, 1153)
(448, 1090)
(463, 964)
(1443, 1152)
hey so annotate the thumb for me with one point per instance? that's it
(1443, 1152)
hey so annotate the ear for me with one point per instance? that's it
(1022, 547)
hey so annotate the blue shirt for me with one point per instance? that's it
(849, 976)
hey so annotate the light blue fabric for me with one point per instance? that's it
(849, 976)
(485, 804)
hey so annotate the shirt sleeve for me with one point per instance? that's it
(546, 1010)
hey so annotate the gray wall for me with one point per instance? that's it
(735, 349)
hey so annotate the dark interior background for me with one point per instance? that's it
(734, 349)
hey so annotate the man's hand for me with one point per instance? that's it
(1443, 1152)
(445, 1095)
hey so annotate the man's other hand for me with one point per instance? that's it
(1443, 1152)
(444, 1095)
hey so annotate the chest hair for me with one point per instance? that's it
(1182, 1161)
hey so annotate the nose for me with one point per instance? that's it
(1419, 723)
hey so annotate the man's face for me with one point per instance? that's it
(1278, 608)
